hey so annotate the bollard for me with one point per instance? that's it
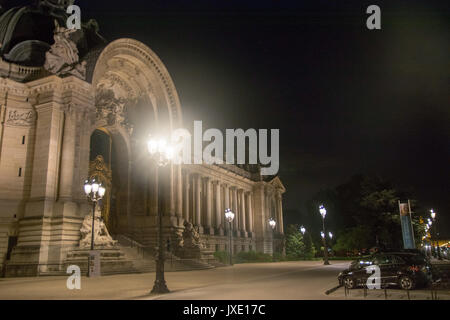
(385, 292)
(407, 292)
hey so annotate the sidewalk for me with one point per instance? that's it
(391, 294)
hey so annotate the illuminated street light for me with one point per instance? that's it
(323, 213)
(273, 224)
(229, 216)
(161, 153)
(330, 235)
(322, 234)
(434, 234)
(302, 230)
(95, 192)
(433, 214)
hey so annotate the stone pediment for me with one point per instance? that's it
(277, 184)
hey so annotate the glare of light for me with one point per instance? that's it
(229, 215)
(322, 211)
(95, 187)
(87, 187)
(169, 153)
(101, 191)
(152, 146)
(322, 234)
(272, 223)
(433, 214)
(162, 145)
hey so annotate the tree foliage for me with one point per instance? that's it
(297, 245)
(362, 212)
(355, 238)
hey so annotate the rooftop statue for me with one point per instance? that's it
(62, 58)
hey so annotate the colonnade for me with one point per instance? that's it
(204, 200)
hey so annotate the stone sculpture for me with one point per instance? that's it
(191, 238)
(102, 238)
(62, 58)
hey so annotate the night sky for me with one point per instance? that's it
(346, 99)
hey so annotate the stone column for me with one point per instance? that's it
(68, 154)
(268, 211)
(186, 196)
(227, 196)
(261, 233)
(198, 199)
(218, 210)
(171, 186)
(154, 190)
(46, 159)
(234, 208)
(243, 226)
(129, 214)
(280, 213)
(208, 205)
(226, 203)
(249, 204)
(179, 191)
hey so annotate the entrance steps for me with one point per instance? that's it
(143, 258)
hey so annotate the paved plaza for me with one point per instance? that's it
(297, 280)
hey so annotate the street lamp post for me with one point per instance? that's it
(95, 192)
(323, 213)
(229, 216)
(162, 154)
(436, 240)
(272, 224)
(428, 229)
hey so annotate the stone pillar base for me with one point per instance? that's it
(200, 229)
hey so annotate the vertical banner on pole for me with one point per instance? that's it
(406, 223)
(94, 263)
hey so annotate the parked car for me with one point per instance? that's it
(404, 269)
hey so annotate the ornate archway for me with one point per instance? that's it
(134, 96)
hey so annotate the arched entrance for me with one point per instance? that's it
(108, 162)
(134, 97)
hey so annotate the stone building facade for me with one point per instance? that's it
(72, 106)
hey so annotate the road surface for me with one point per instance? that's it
(281, 280)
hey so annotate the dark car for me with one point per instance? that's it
(405, 269)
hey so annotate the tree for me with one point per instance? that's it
(310, 250)
(355, 238)
(297, 245)
(367, 201)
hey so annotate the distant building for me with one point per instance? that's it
(74, 106)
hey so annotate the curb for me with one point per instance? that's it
(332, 289)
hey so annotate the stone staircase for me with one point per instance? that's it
(113, 261)
(143, 259)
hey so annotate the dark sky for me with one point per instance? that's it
(346, 99)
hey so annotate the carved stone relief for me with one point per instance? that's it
(20, 118)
